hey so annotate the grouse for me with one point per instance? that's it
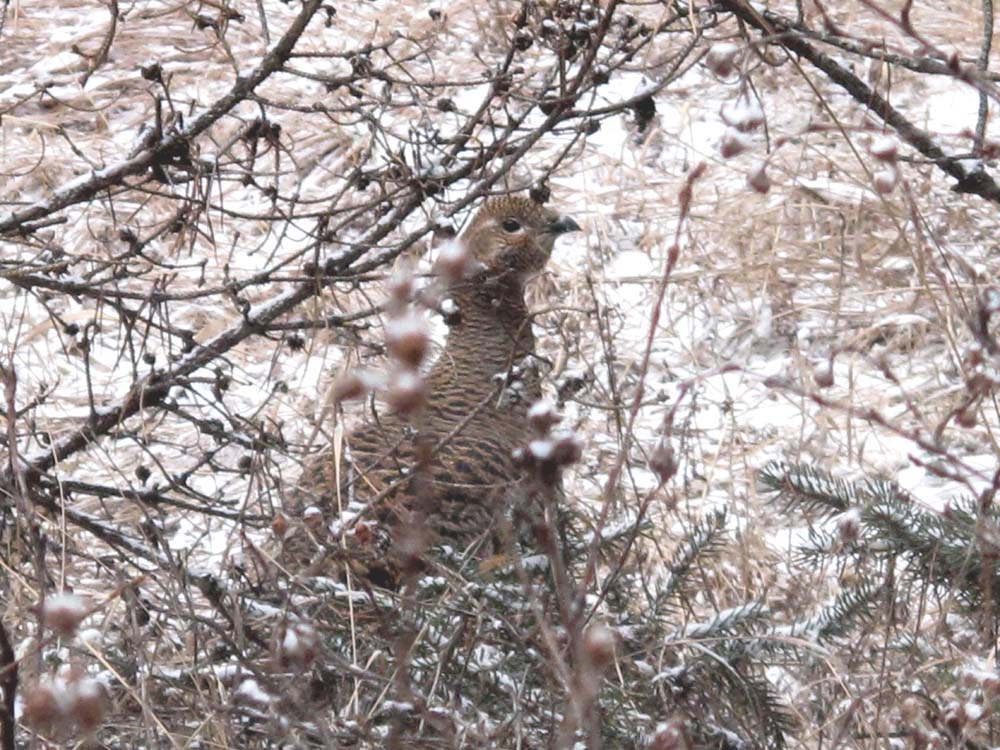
(445, 472)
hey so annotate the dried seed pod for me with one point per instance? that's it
(884, 149)
(849, 526)
(453, 261)
(401, 287)
(910, 711)
(62, 613)
(721, 59)
(450, 312)
(757, 178)
(298, 645)
(662, 460)
(566, 450)
(42, 708)
(523, 460)
(540, 450)
(955, 718)
(86, 703)
(671, 735)
(885, 180)
(354, 385)
(312, 517)
(823, 375)
(543, 416)
(280, 525)
(599, 646)
(406, 392)
(744, 114)
(733, 143)
(408, 339)
(364, 533)
(991, 684)
(966, 417)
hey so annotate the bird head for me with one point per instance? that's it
(515, 235)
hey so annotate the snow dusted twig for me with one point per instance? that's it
(781, 31)
(982, 65)
(684, 202)
(878, 49)
(101, 56)
(86, 186)
(151, 389)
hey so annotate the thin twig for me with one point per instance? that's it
(982, 64)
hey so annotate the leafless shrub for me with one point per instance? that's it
(212, 218)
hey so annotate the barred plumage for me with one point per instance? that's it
(444, 474)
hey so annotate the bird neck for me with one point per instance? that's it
(493, 330)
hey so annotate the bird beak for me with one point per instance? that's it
(562, 225)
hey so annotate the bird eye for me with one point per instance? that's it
(511, 225)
